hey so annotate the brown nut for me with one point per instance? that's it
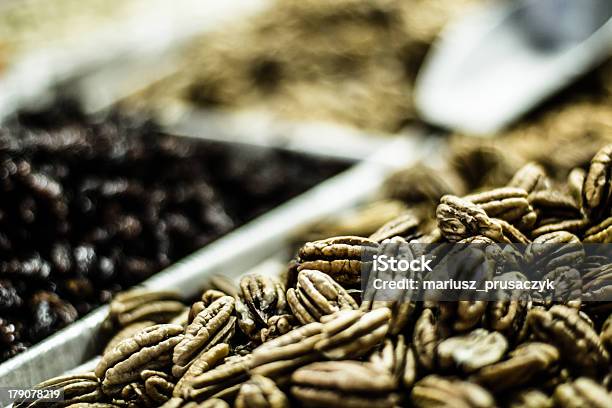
(125, 333)
(600, 233)
(508, 317)
(462, 315)
(260, 392)
(472, 351)
(531, 177)
(606, 334)
(353, 333)
(209, 403)
(527, 363)
(552, 206)
(507, 203)
(459, 219)
(150, 348)
(340, 384)
(144, 304)
(339, 257)
(425, 340)
(397, 358)
(404, 226)
(211, 326)
(204, 362)
(153, 389)
(574, 336)
(260, 298)
(220, 382)
(596, 188)
(284, 354)
(438, 392)
(80, 388)
(317, 295)
(553, 250)
(583, 392)
(531, 398)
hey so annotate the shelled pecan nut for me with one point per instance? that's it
(575, 337)
(338, 384)
(150, 348)
(434, 391)
(79, 388)
(317, 295)
(260, 298)
(143, 304)
(339, 257)
(261, 392)
(211, 326)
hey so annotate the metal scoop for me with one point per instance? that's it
(502, 60)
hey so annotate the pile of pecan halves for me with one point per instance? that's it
(307, 338)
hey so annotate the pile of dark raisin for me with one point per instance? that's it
(90, 206)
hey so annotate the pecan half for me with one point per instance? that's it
(340, 384)
(425, 340)
(339, 257)
(472, 351)
(223, 381)
(583, 392)
(211, 326)
(528, 362)
(150, 348)
(260, 392)
(600, 233)
(596, 188)
(459, 219)
(438, 392)
(531, 398)
(260, 297)
(353, 333)
(531, 177)
(506, 203)
(317, 295)
(287, 352)
(575, 337)
(404, 226)
(80, 388)
(144, 304)
(397, 358)
(204, 362)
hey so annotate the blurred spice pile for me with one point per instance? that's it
(350, 61)
(90, 207)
